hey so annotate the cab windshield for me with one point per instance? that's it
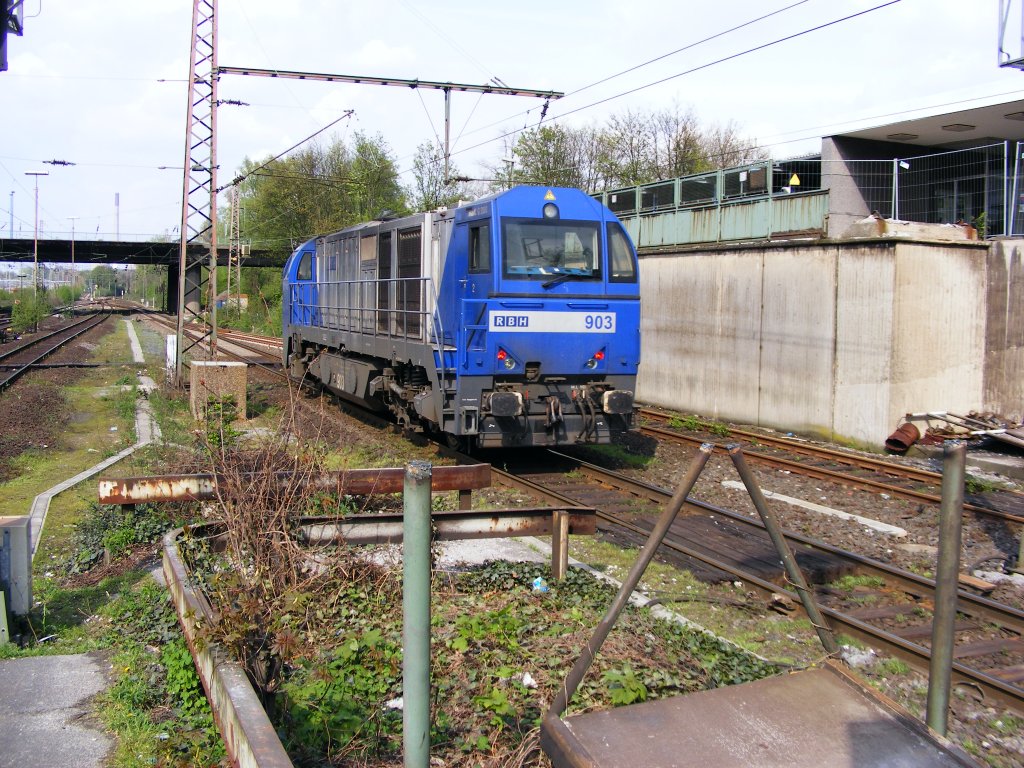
(540, 250)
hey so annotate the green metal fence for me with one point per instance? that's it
(983, 186)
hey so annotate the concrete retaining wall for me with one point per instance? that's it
(836, 338)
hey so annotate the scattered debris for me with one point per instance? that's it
(781, 604)
(858, 657)
(972, 426)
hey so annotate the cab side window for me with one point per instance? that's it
(480, 248)
(622, 265)
(305, 270)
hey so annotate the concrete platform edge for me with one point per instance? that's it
(248, 734)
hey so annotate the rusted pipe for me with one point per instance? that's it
(793, 572)
(904, 437)
(947, 571)
(579, 669)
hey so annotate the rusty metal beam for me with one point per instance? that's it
(204, 487)
(449, 525)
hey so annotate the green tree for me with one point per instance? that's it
(103, 278)
(377, 191)
(430, 189)
(631, 147)
(149, 284)
(30, 308)
(554, 155)
(319, 189)
(66, 295)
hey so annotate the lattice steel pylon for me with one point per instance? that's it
(199, 189)
(235, 247)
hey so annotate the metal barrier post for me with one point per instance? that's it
(940, 669)
(416, 615)
(793, 572)
(658, 533)
(559, 544)
(5, 581)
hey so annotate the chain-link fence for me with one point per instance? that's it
(967, 186)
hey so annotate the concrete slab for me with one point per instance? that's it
(812, 718)
(42, 712)
(1009, 464)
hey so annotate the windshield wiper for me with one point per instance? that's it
(556, 280)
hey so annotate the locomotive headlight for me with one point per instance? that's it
(591, 363)
(510, 363)
(550, 211)
(506, 359)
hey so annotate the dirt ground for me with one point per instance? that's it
(984, 539)
(33, 411)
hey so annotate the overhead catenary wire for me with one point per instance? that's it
(239, 179)
(698, 68)
(687, 47)
(707, 39)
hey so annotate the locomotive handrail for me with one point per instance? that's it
(327, 315)
(466, 328)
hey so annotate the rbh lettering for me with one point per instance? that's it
(511, 321)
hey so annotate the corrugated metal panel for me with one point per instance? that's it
(704, 224)
(799, 213)
(632, 225)
(744, 221)
(747, 220)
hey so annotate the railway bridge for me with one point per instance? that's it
(166, 253)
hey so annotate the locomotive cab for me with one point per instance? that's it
(299, 299)
(549, 306)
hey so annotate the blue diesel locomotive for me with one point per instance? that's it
(513, 320)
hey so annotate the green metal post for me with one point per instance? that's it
(940, 671)
(416, 612)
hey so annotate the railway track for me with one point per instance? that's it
(887, 607)
(258, 350)
(848, 469)
(14, 363)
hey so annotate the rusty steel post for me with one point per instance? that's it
(793, 572)
(559, 544)
(579, 669)
(947, 571)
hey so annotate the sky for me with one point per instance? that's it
(103, 85)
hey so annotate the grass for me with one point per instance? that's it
(851, 582)
(616, 455)
(693, 423)
(782, 639)
(978, 485)
(86, 440)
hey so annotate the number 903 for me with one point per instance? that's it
(599, 322)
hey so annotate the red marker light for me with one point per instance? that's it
(502, 354)
(599, 355)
